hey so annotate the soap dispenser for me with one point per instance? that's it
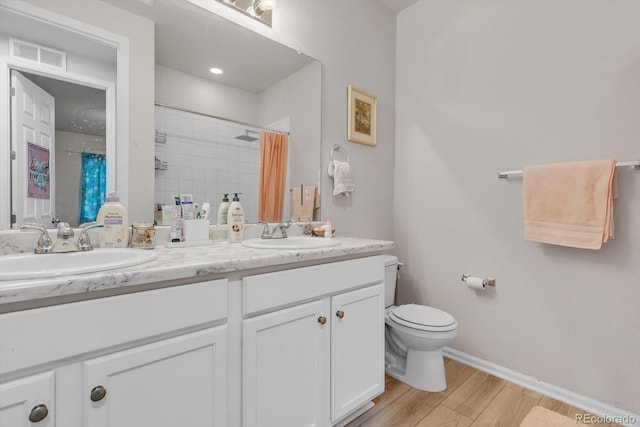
(115, 223)
(235, 220)
(223, 209)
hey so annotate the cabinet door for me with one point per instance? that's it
(28, 401)
(179, 381)
(357, 349)
(285, 363)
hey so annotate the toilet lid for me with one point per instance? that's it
(423, 317)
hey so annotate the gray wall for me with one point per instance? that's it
(355, 41)
(493, 85)
(298, 98)
(178, 89)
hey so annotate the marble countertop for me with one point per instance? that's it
(182, 263)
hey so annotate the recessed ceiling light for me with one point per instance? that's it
(216, 70)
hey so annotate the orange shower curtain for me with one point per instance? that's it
(273, 170)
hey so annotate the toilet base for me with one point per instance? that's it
(424, 370)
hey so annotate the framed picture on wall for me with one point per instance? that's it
(362, 117)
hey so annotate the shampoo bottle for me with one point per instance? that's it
(115, 230)
(235, 220)
(223, 209)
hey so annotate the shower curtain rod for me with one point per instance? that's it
(159, 104)
(87, 151)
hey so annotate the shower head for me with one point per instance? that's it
(246, 136)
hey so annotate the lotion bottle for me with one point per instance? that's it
(235, 220)
(113, 216)
(328, 229)
(223, 210)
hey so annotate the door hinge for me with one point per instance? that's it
(12, 155)
(13, 91)
(13, 219)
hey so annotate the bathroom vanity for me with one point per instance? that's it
(212, 336)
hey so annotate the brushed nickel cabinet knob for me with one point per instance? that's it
(38, 413)
(340, 314)
(322, 320)
(98, 393)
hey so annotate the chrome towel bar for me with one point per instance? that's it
(635, 164)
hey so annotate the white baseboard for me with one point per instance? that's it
(587, 404)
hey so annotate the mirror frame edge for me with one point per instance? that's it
(118, 126)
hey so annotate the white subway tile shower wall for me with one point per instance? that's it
(204, 158)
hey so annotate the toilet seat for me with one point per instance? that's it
(424, 318)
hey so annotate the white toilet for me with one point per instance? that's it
(415, 335)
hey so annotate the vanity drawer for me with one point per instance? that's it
(42, 335)
(271, 290)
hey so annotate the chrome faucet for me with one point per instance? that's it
(283, 226)
(266, 234)
(64, 243)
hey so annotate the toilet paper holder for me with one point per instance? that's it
(487, 281)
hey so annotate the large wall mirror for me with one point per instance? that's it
(209, 125)
(58, 81)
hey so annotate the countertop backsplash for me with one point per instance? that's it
(16, 241)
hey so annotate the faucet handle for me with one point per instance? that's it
(284, 229)
(44, 241)
(84, 242)
(64, 230)
(265, 229)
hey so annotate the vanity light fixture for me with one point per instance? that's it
(216, 70)
(261, 6)
(260, 10)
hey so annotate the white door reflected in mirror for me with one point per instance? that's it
(33, 141)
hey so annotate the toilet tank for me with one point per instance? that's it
(390, 275)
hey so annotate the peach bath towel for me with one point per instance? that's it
(569, 204)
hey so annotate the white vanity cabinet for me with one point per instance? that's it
(313, 343)
(174, 382)
(28, 400)
(357, 349)
(284, 367)
(153, 358)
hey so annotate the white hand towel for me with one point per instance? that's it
(342, 178)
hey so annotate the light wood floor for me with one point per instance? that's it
(472, 399)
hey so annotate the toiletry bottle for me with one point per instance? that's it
(115, 230)
(204, 212)
(328, 229)
(223, 210)
(235, 220)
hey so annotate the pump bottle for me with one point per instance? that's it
(223, 209)
(235, 220)
(115, 230)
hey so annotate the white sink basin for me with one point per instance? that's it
(35, 266)
(296, 242)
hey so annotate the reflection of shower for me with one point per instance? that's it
(247, 137)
